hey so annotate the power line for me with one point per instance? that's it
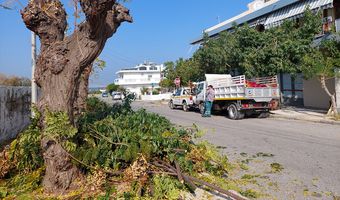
(114, 59)
(122, 55)
(5, 7)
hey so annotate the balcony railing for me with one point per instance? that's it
(137, 81)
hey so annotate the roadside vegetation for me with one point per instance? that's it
(14, 80)
(114, 88)
(252, 52)
(288, 48)
(121, 153)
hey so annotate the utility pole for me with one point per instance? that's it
(33, 84)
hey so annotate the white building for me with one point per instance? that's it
(265, 14)
(146, 75)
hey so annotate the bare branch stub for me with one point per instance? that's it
(115, 17)
(46, 18)
(93, 32)
(113, 13)
(95, 10)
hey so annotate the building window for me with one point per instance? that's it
(153, 68)
(298, 22)
(142, 68)
(260, 27)
(327, 21)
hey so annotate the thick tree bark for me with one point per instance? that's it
(60, 171)
(331, 96)
(64, 66)
(83, 90)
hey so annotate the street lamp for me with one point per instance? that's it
(34, 95)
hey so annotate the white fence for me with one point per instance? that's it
(158, 97)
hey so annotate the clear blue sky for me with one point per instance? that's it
(162, 31)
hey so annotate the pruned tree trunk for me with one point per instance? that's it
(333, 108)
(82, 91)
(64, 66)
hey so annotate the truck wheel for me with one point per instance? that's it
(233, 113)
(171, 105)
(185, 107)
(263, 115)
(201, 107)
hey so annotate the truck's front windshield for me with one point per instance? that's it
(200, 87)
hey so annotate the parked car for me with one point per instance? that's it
(105, 94)
(116, 96)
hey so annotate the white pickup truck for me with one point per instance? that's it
(235, 95)
(184, 98)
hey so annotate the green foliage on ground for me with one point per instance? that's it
(251, 194)
(166, 187)
(116, 141)
(112, 138)
(276, 167)
(25, 151)
(21, 184)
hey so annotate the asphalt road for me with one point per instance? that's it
(309, 152)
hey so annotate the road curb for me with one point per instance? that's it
(322, 121)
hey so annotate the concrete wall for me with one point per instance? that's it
(314, 96)
(14, 111)
(137, 88)
(337, 89)
(156, 97)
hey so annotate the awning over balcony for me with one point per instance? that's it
(295, 11)
(271, 15)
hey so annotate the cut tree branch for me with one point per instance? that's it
(46, 18)
(95, 10)
(113, 12)
(115, 17)
(94, 34)
(189, 179)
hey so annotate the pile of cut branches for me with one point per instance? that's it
(123, 153)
